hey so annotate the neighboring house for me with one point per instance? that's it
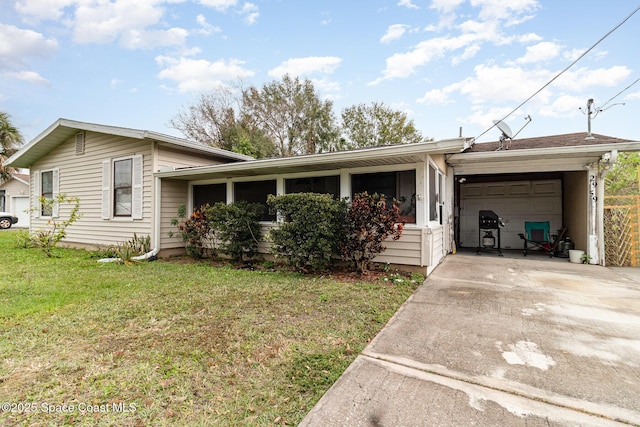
(442, 185)
(110, 169)
(14, 197)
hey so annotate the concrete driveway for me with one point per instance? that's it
(493, 341)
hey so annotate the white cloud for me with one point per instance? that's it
(633, 96)
(115, 83)
(26, 76)
(543, 51)
(512, 11)
(436, 96)
(446, 5)
(493, 83)
(17, 44)
(135, 39)
(563, 106)
(206, 27)
(38, 10)
(250, 12)
(407, 4)
(105, 22)
(394, 32)
(200, 74)
(219, 5)
(306, 66)
(583, 78)
(401, 65)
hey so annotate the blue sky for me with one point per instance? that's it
(446, 63)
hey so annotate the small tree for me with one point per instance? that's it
(237, 227)
(196, 232)
(48, 237)
(369, 221)
(311, 231)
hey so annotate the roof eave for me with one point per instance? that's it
(328, 159)
(26, 155)
(568, 152)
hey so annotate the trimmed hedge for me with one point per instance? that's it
(311, 230)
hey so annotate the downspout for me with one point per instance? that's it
(153, 254)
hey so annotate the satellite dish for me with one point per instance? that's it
(504, 128)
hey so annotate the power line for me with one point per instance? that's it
(602, 107)
(564, 70)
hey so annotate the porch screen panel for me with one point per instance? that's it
(317, 184)
(400, 185)
(210, 193)
(256, 192)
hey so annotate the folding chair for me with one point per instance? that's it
(536, 235)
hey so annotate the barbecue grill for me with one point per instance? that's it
(488, 223)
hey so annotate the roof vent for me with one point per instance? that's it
(80, 143)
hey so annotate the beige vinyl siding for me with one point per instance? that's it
(81, 176)
(13, 187)
(174, 194)
(170, 157)
(407, 250)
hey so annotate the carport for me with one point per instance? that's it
(559, 179)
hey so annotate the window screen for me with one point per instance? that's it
(400, 185)
(256, 192)
(317, 184)
(209, 194)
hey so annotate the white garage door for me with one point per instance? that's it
(516, 201)
(19, 206)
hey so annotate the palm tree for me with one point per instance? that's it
(10, 140)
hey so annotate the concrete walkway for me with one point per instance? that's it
(499, 341)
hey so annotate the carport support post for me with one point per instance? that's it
(595, 213)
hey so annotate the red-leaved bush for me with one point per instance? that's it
(369, 221)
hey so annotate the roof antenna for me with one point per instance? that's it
(593, 113)
(507, 134)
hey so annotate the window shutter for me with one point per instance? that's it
(36, 194)
(106, 189)
(136, 188)
(55, 211)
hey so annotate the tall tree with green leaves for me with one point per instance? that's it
(292, 115)
(377, 124)
(10, 140)
(213, 120)
(623, 179)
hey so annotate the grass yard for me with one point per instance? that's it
(173, 342)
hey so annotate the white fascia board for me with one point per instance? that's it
(420, 149)
(541, 153)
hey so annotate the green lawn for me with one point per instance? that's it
(175, 342)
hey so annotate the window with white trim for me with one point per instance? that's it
(45, 185)
(122, 188)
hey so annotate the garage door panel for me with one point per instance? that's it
(521, 201)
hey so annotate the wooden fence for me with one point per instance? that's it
(622, 230)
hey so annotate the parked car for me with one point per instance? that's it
(7, 220)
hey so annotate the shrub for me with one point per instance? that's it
(369, 221)
(49, 236)
(125, 251)
(237, 227)
(311, 230)
(196, 232)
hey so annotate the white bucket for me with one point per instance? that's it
(575, 256)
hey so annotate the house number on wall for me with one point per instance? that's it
(592, 188)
